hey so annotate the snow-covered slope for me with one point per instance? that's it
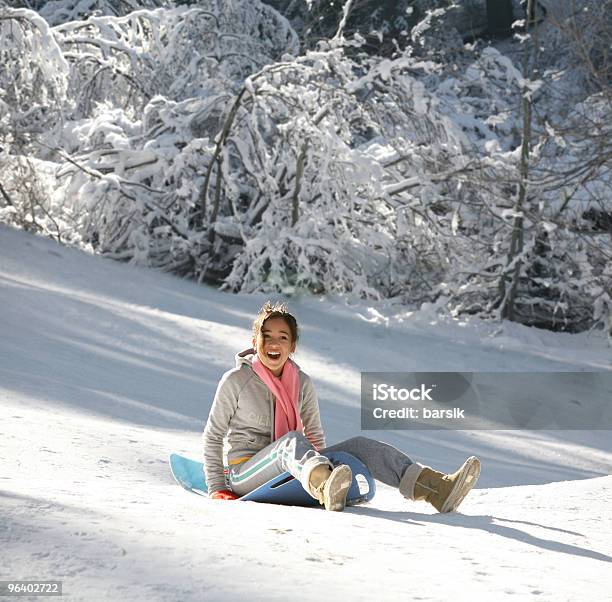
(105, 369)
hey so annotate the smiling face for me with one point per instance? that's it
(273, 344)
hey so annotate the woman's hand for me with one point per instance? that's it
(224, 494)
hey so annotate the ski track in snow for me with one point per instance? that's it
(105, 369)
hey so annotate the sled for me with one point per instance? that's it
(283, 489)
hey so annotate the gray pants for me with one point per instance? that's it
(293, 453)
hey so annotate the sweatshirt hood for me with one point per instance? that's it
(245, 357)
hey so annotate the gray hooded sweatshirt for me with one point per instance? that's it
(241, 419)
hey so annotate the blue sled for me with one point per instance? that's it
(283, 489)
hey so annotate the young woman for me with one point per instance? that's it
(265, 420)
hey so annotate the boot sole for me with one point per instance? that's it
(470, 471)
(337, 487)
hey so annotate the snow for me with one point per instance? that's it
(106, 368)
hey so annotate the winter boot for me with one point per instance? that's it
(443, 491)
(329, 486)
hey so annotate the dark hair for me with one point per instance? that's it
(275, 310)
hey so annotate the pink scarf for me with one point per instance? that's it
(286, 390)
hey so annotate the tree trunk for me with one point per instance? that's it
(515, 263)
(499, 18)
(6, 196)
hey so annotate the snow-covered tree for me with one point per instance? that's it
(199, 139)
(33, 79)
(565, 283)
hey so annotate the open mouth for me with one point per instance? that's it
(273, 355)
